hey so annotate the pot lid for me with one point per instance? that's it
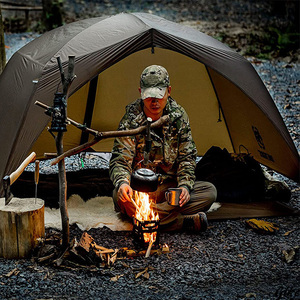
(145, 172)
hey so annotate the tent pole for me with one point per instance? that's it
(89, 108)
(220, 108)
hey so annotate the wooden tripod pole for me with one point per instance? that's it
(62, 178)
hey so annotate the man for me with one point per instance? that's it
(173, 156)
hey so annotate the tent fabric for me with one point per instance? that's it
(227, 102)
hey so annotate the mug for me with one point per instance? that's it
(172, 196)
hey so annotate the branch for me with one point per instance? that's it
(108, 134)
(99, 135)
(74, 123)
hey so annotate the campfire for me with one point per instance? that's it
(145, 222)
(87, 252)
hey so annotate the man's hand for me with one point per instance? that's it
(125, 192)
(184, 196)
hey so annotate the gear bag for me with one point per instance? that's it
(237, 177)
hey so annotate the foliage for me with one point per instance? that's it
(264, 44)
(284, 39)
(52, 14)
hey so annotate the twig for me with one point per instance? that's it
(134, 203)
(231, 260)
(149, 249)
(59, 260)
(41, 259)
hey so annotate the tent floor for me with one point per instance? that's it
(252, 210)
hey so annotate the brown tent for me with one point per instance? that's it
(225, 98)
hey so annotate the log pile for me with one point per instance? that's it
(84, 254)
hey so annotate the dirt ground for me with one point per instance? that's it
(230, 260)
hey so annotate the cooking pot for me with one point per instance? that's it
(144, 180)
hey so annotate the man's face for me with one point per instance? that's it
(153, 107)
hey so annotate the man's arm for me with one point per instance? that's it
(121, 161)
(186, 156)
(123, 152)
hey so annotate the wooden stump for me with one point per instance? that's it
(21, 224)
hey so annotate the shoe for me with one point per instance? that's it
(195, 223)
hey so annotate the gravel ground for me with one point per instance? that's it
(229, 261)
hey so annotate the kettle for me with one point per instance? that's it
(144, 180)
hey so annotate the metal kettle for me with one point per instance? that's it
(144, 180)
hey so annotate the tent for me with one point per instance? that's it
(227, 102)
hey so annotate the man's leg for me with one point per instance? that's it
(171, 217)
(202, 197)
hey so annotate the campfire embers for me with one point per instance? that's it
(145, 221)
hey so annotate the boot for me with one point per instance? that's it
(195, 223)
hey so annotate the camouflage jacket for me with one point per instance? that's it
(173, 151)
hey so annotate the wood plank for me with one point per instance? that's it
(23, 8)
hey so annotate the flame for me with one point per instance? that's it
(145, 213)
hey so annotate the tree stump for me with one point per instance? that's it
(21, 224)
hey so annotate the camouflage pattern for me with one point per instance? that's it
(173, 151)
(154, 81)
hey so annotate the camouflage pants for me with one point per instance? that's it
(171, 217)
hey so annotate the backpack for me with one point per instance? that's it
(237, 177)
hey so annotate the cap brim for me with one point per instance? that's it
(153, 92)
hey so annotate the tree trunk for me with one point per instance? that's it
(52, 14)
(2, 45)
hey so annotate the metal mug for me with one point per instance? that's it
(172, 196)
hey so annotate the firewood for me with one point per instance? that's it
(134, 253)
(85, 242)
(148, 252)
(60, 259)
(109, 251)
(97, 247)
(45, 258)
(114, 257)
